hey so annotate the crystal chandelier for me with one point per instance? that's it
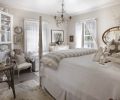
(61, 18)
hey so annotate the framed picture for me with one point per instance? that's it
(71, 38)
(57, 36)
(18, 39)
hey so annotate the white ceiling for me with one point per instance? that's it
(52, 6)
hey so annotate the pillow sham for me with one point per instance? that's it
(113, 47)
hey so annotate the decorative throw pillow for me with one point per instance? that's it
(18, 51)
(113, 47)
(20, 59)
(98, 54)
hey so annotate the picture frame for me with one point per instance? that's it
(57, 35)
(18, 38)
(71, 38)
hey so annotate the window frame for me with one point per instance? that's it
(83, 22)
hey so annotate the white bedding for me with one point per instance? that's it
(84, 79)
(53, 59)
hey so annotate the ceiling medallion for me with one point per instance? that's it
(62, 17)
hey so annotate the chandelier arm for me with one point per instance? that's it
(60, 19)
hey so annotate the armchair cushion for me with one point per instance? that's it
(20, 59)
(24, 65)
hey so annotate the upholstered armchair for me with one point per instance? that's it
(21, 63)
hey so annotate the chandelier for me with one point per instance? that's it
(62, 17)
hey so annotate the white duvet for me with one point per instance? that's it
(81, 76)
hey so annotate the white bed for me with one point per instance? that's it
(79, 78)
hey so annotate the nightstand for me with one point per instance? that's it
(7, 72)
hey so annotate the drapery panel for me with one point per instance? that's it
(86, 34)
(31, 29)
(91, 26)
(45, 36)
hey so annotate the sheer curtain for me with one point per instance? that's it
(31, 30)
(45, 36)
(86, 34)
(78, 36)
(91, 26)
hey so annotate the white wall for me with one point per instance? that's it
(106, 18)
(19, 16)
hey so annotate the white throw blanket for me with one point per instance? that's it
(52, 59)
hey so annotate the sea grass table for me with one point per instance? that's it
(7, 73)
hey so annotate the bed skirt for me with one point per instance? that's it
(59, 93)
(62, 84)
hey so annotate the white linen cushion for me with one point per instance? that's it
(20, 59)
(24, 65)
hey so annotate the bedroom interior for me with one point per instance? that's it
(59, 50)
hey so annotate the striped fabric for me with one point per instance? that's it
(52, 59)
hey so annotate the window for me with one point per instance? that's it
(86, 34)
(31, 29)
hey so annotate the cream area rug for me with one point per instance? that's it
(28, 90)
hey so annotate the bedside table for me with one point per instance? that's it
(8, 72)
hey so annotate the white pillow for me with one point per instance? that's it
(20, 59)
(98, 54)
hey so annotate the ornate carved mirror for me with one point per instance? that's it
(111, 34)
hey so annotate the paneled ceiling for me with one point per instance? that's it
(51, 7)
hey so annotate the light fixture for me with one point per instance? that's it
(62, 17)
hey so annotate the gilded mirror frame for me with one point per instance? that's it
(108, 31)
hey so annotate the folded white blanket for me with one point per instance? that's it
(52, 59)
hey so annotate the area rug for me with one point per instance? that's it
(28, 90)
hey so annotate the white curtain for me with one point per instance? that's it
(31, 30)
(91, 26)
(45, 36)
(78, 36)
